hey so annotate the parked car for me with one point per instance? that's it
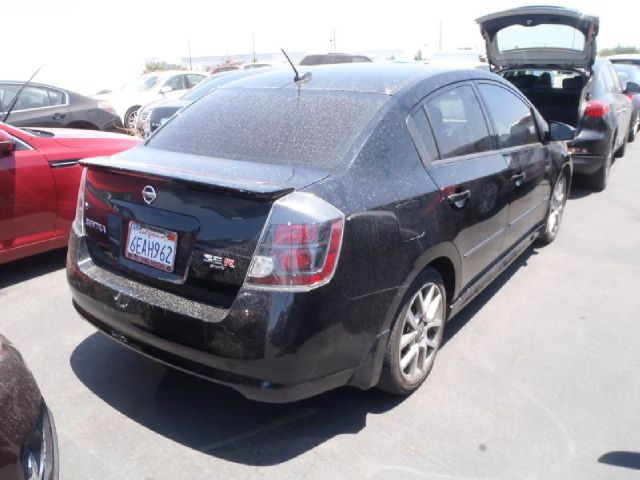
(154, 115)
(286, 238)
(630, 73)
(225, 68)
(332, 58)
(41, 105)
(28, 442)
(150, 87)
(458, 59)
(39, 178)
(628, 58)
(549, 53)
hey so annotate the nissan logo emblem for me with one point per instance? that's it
(149, 194)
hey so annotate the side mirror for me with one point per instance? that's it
(7, 143)
(632, 87)
(166, 89)
(561, 132)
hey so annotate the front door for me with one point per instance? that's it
(528, 160)
(27, 198)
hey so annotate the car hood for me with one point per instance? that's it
(168, 108)
(77, 138)
(540, 36)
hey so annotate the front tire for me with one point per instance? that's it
(556, 209)
(130, 119)
(416, 335)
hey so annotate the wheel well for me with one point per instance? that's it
(445, 268)
(83, 125)
(135, 108)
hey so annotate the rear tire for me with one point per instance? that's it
(416, 335)
(557, 203)
(623, 149)
(598, 181)
(130, 119)
(632, 131)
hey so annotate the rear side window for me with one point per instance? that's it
(279, 126)
(457, 122)
(513, 120)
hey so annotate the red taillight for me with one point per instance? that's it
(597, 109)
(630, 96)
(300, 245)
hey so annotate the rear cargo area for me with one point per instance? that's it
(556, 94)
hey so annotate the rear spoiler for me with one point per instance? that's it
(236, 187)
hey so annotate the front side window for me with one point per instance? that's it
(513, 120)
(458, 124)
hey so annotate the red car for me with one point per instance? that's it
(39, 180)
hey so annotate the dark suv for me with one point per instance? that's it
(549, 53)
(287, 237)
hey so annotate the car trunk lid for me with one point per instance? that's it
(216, 208)
(540, 36)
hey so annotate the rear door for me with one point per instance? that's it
(540, 36)
(27, 198)
(621, 104)
(517, 137)
(471, 175)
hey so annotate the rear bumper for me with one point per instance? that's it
(587, 164)
(270, 346)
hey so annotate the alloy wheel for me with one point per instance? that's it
(556, 207)
(422, 332)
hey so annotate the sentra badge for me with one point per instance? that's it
(95, 225)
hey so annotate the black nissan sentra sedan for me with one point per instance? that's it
(288, 237)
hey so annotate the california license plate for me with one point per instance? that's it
(152, 246)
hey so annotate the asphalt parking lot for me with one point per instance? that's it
(539, 378)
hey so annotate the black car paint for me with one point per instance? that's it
(79, 112)
(282, 346)
(22, 412)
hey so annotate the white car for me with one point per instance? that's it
(148, 88)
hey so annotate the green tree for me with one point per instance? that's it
(156, 66)
(418, 55)
(618, 49)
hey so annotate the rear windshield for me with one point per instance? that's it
(517, 37)
(300, 128)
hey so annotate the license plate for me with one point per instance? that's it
(152, 246)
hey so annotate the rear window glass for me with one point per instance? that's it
(518, 37)
(307, 128)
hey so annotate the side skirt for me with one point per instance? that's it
(470, 292)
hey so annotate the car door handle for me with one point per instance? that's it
(58, 116)
(518, 178)
(459, 200)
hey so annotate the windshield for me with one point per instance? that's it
(142, 84)
(518, 37)
(309, 128)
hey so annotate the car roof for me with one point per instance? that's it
(373, 78)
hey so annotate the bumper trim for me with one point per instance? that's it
(587, 164)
